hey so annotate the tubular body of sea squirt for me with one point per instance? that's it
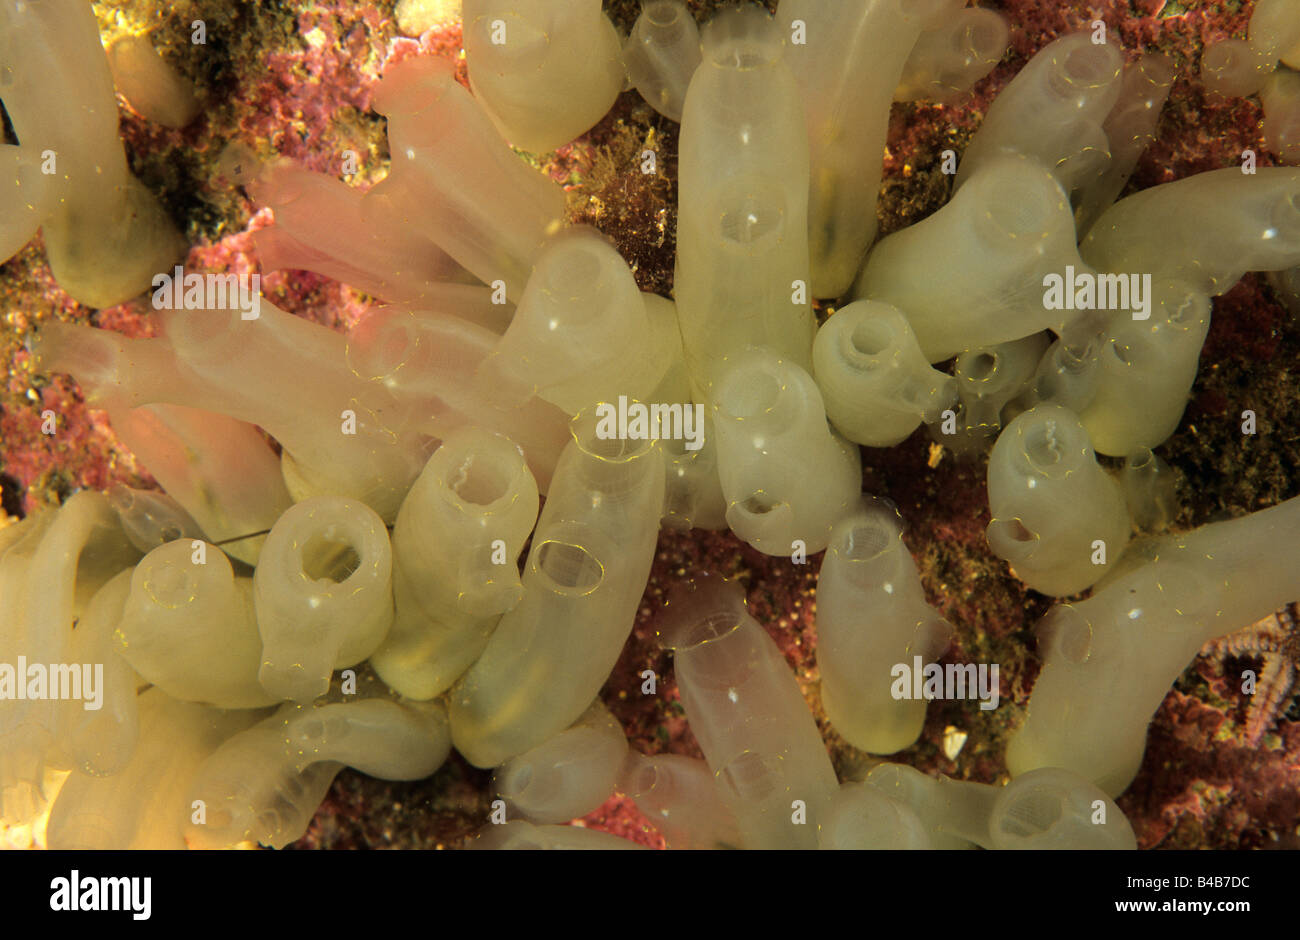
(662, 54)
(322, 224)
(50, 568)
(948, 59)
(1130, 128)
(1058, 517)
(1207, 230)
(742, 226)
(745, 709)
(323, 594)
(877, 384)
(477, 201)
(151, 86)
(100, 742)
(1109, 660)
(589, 561)
(989, 377)
(106, 236)
(772, 435)
(1281, 99)
(1044, 809)
(291, 377)
(568, 775)
(693, 493)
(427, 361)
(1053, 111)
(1145, 371)
(545, 72)
(455, 548)
(24, 204)
(264, 784)
(848, 59)
(142, 806)
(863, 817)
(683, 799)
(218, 468)
(1001, 233)
(189, 627)
(871, 616)
(579, 315)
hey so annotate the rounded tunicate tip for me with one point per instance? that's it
(983, 37)
(701, 610)
(1052, 441)
(663, 14)
(1066, 633)
(514, 782)
(742, 37)
(588, 430)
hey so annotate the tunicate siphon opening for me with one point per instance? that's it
(760, 518)
(1157, 69)
(741, 38)
(1012, 539)
(327, 558)
(983, 39)
(675, 448)
(759, 504)
(1073, 357)
(171, 585)
(709, 628)
(478, 480)
(662, 14)
(1083, 67)
(870, 338)
(585, 430)
(1017, 532)
(1047, 446)
(1121, 351)
(979, 367)
(515, 781)
(570, 569)
(866, 542)
(1233, 67)
(1033, 814)
(613, 448)
(381, 343)
(1066, 633)
(644, 780)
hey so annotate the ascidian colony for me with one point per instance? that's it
(525, 424)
